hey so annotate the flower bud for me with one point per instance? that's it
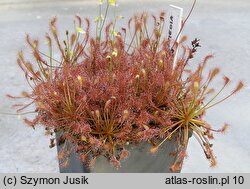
(114, 53)
(97, 113)
(112, 2)
(40, 104)
(156, 113)
(100, 2)
(83, 138)
(161, 64)
(107, 104)
(108, 57)
(34, 45)
(143, 71)
(145, 127)
(113, 97)
(125, 114)
(97, 19)
(79, 78)
(80, 30)
(163, 54)
(115, 34)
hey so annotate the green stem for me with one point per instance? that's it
(104, 20)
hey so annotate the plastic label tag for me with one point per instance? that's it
(174, 21)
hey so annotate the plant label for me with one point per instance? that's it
(174, 21)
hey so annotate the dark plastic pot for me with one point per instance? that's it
(139, 161)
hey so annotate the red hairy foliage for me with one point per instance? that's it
(105, 93)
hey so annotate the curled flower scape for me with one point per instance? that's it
(109, 91)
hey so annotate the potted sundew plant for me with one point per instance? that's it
(115, 101)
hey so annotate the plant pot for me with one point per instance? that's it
(139, 160)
